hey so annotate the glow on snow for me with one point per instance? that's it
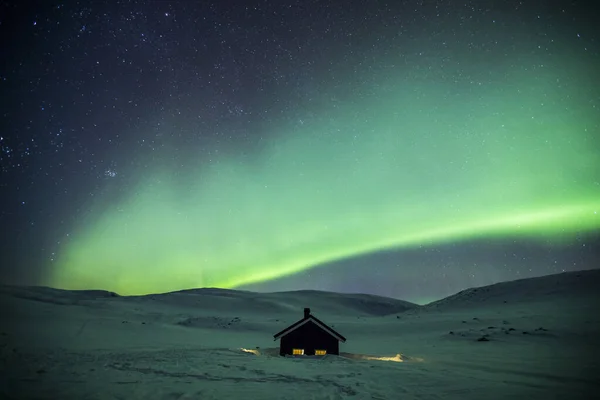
(414, 165)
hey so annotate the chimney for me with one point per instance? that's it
(306, 312)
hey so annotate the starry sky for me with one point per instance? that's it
(404, 148)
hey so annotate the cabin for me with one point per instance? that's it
(309, 337)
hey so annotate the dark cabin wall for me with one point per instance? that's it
(309, 337)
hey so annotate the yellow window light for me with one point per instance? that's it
(298, 352)
(320, 352)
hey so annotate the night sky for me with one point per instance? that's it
(404, 148)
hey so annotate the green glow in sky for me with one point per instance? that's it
(410, 165)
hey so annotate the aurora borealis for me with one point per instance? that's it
(394, 143)
(312, 197)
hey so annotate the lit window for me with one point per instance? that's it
(320, 352)
(298, 352)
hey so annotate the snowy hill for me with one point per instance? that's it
(227, 300)
(566, 287)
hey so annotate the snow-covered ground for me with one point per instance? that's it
(532, 339)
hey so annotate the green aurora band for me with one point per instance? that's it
(412, 164)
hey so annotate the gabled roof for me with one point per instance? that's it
(316, 321)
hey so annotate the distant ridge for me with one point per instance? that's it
(367, 303)
(566, 285)
(55, 296)
(227, 300)
(328, 302)
(563, 286)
